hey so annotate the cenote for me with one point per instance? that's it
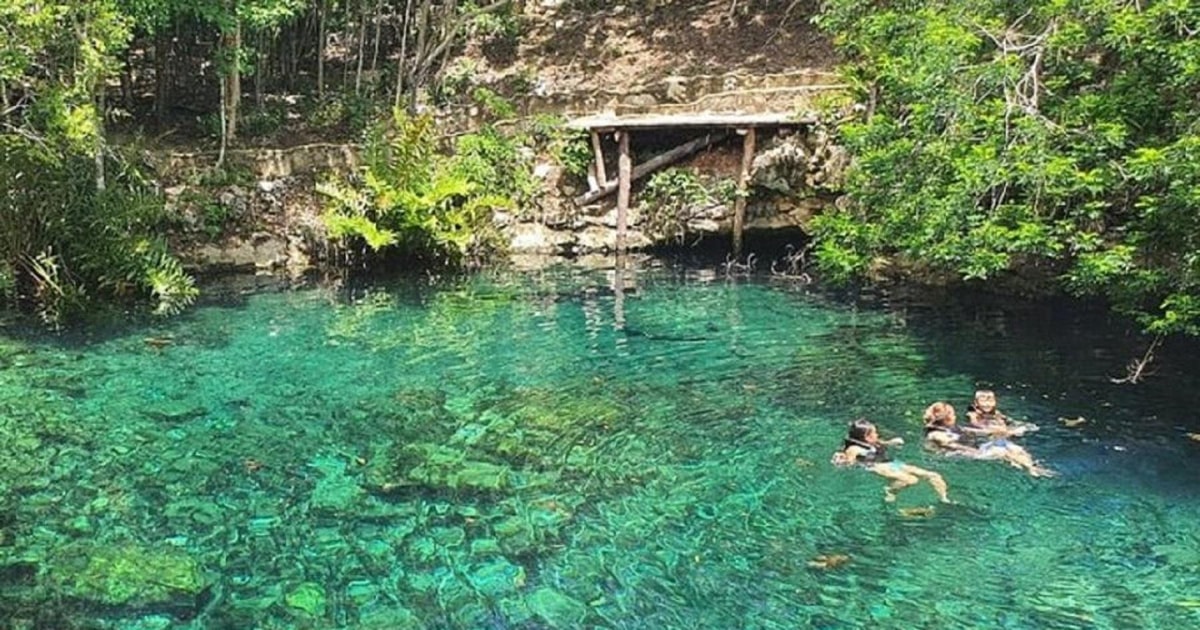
(567, 448)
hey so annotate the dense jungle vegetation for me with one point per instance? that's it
(1002, 136)
(1055, 136)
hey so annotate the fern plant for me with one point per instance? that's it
(410, 197)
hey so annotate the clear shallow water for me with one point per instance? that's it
(543, 450)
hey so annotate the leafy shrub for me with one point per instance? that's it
(62, 241)
(411, 198)
(345, 111)
(1001, 141)
(262, 122)
(496, 106)
(675, 196)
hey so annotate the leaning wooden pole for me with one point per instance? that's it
(598, 151)
(624, 183)
(739, 204)
(651, 165)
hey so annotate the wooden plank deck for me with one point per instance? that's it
(609, 121)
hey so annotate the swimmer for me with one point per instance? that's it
(983, 414)
(862, 447)
(941, 433)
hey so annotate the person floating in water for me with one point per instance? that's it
(942, 434)
(984, 415)
(862, 447)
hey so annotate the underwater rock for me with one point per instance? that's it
(361, 592)
(449, 536)
(336, 495)
(470, 615)
(307, 599)
(129, 575)
(336, 492)
(556, 609)
(516, 536)
(392, 617)
(441, 467)
(515, 610)
(496, 578)
(485, 547)
(175, 411)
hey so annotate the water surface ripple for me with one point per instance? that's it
(562, 449)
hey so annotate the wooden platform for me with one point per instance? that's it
(611, 122)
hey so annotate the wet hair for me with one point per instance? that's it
(858, 431)
(979, 393)
(938, 413)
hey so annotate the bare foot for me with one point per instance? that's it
(1038, 471)
(889, 496)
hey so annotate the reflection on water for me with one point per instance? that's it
(625, 448)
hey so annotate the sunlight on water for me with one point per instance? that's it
(581, 449)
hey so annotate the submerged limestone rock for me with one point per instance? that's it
(307, 600)
(129, 575)
(496, 578)
(556, 609)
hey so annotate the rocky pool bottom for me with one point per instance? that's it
(561, 449)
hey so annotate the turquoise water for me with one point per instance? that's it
(568, 449)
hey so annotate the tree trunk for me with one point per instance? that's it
(400, 67)
(378, 26)
(127, 86)
(260, 67)
(362, 38)
(321, 48)
(162, 76)
(231, 93)
(414, 77)
(99, 149)
(224, 127)
(346, 58)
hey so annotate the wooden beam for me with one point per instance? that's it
(651, 165)
(739, 204)
(624, 183)
(601, 176)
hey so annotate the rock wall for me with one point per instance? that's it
(793, 177)
(269, 219)
(264, 216)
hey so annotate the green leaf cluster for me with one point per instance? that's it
(1000, 137)
(62, 242)
(410, 197)
(675, 196)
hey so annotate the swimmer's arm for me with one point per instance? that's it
(896, 441)
(946, 441)
(846, 457)
(986, 430)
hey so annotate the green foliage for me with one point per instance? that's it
(571, 149)
(496, 106)
(63, 242)
(344, 111)
(675, 196)
(495, 162)
(263, 122)
(410, 197)
(1058, 134)
(460, 77)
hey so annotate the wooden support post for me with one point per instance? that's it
(624, 181)
(601, 176)
(739, 204)
(649, 166)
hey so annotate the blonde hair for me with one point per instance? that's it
(979, 393)
(939, 413)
